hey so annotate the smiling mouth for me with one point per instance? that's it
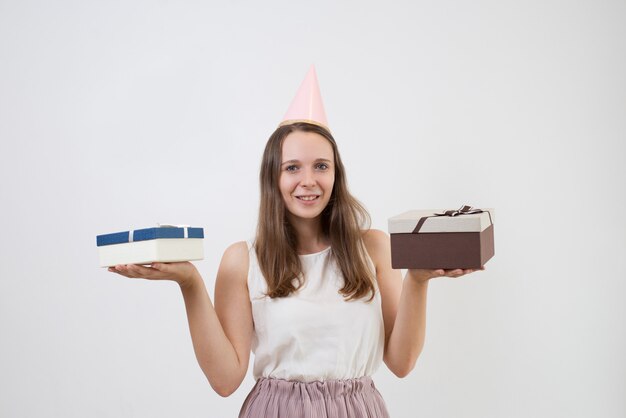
(307, 198)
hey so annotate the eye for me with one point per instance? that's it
(291, 168)
(323, 166)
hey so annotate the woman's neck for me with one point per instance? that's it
(309, 236)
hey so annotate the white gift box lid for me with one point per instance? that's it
(406, 222)
(163, 231)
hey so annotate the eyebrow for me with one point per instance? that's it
(297, 161)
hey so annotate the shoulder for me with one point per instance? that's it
(376, 243)
(237, 250)
(235, 260)
(375, 239)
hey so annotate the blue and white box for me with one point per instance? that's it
(164, 243)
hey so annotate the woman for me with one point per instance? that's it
(314, 295)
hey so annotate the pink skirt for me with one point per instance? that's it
(278, 398)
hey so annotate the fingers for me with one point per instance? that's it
(118, 270)
(427, 274)
(140, 271)
(121, 269)
(448, 273)
(134, 271)
(457, 272)
(161, 267)
(454, 273)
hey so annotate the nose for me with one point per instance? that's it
(308, 178)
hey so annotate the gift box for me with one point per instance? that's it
(164, 243)
(447, 239)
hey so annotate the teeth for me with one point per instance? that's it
(307, 197)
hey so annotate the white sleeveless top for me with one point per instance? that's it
(314, 334)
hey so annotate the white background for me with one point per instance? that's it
(122, 114)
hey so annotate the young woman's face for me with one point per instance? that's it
(307, 174)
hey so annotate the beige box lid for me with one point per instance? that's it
(406, 222)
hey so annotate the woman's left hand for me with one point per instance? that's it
(423, 275)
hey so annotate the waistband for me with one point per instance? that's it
(318, 388)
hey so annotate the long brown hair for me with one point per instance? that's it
(341, 221)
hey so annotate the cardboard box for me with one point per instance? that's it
(144, 246)
(447, 239)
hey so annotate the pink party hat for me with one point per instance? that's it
(307, 106)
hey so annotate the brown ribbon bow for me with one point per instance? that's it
(463, 210)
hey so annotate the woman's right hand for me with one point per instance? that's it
(183, 273)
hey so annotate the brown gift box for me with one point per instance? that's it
(446, 239)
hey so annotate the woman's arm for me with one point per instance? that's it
(403, 304)
(221, 335)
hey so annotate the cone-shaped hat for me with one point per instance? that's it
(307, 106)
